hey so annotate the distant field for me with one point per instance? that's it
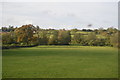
(60, 62)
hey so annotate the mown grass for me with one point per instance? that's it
(60, 62)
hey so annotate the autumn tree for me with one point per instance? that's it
(37, 30)
(25, 33)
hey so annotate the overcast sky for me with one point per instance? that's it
(58, 15)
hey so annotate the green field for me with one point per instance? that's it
(60, 62)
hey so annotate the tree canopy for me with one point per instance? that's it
(29, 35)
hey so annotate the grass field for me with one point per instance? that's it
(60, 62)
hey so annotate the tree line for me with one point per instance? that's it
(30, 35)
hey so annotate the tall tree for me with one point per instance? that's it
(64, 37)
(25, 33)
(77, 38)
(43, 37)
(8, 38)
(115, 39)
(53, 38)
(91, 39)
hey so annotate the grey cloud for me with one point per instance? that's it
(61, 15)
